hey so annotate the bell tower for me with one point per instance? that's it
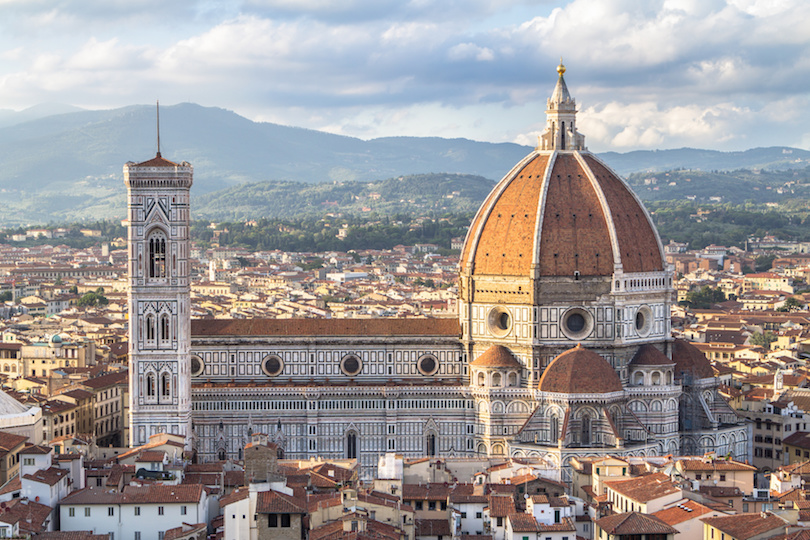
(159, 298)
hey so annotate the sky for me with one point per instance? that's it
(646, 74)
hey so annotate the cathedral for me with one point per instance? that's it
(562, 347)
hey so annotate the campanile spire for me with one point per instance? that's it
(561, 119)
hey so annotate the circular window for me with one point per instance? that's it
(644, 321)
(272, 365)
(428, 364)
(351, 365)
(577, 323)
(499, 321)
(197, 365)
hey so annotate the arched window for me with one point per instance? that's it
(164, 328)
(150, 385)
(656, 378)
(496, 379)
(351, 445)
(431, 444)
(150, 327)
(156, 263)
(221, 454)
(165, 384)
(638, 378)
(555, 429)
(481, 379)
(586, 430)
(513, 379)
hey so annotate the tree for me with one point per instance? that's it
(763, 263)
(74, 290)
(703, 298)
(93, 299)
(791, 304)
(762, 340)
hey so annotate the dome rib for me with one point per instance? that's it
(471, 242)
(636, 236)
(505, 243)
(600, 194)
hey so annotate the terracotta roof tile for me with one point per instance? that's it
(744, 526)
(506, 242)
(273, 502)
(683, 511)
(637, 238)
(689, 359)
(645, 488)
(501, 505)
(497, 356)
(649, 355)
(634, 523)
(432, 527)
(521, 522)
(325, 327)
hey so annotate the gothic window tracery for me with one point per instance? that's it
(156, 261)
(165, 333)
(150, 385)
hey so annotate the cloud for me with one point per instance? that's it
(646, 73)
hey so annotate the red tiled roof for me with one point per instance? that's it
(501, 505)
(325, 327)
(649, 355)
(565, 525)
(496, 356)
(634, 523)
(521, 522)
(49, 476)
(184, 530)
(683, 511)
(580, 371)
(645, 488)
(273, 502)
(432, 527)
(744, 526)
(689, 359)
(149, 493)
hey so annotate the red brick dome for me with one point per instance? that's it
(497, 356)
(580, 371)
(557, 213)
(649, 355)
(688, 359)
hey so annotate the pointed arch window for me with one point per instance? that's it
(165, 384)
(165, 331)
(431, 444)
(586, 430)
(150, 327)
(150, 385)
(555, 429)
(156, 262)
(351, 445)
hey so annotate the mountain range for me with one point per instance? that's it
(61, 163)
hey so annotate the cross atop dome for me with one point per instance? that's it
(561, 112)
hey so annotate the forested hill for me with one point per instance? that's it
(414, 195)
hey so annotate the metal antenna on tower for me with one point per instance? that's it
(158, 126)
